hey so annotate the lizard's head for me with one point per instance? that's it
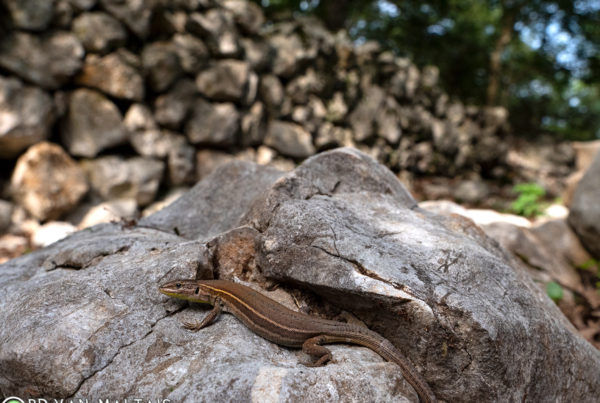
(190, 290)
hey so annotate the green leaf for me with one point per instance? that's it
(554, 291)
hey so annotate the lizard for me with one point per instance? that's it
(286, 327)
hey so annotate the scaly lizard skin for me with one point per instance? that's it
(281, 325)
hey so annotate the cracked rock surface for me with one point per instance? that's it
(83, 317)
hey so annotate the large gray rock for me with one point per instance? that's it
(584, 215)
(26, 116)
(92, 124)
(48, 60)
(340, 225)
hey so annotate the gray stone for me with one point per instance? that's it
(192, 52)
(271, 92)
(215, 124)
(47, 182)
(584, 215)
(113, 177)
(30, 15)
(289, 52)
(6, 209)
(63, 14)
(300, 88)
(226, 81)
(218, 27)
(172, 108)
(388, 121)
(257, 52)
(161, 65)
(134, 14)
(99, 32)
(471, 191)
(253, 125)
(154, 142)
(330, 136)
(337, 108)
(48, 60)
(93, 124)
(112, 75)
(26, 116)
(83, 4)
(139, 118)
(207, 161)
(289, 139)
(247, 15)
(363, 116)
(181, 166)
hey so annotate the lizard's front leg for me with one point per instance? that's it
(313, 347)
(210, 318)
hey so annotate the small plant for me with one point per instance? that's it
(528, 202)
(589, 264)
(554, 291)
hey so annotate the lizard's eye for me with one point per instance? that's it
(197, 290)
(178, 285)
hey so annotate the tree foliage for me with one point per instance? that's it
(539, 58)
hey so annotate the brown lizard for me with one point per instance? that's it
(283, 326)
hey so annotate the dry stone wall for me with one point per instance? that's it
(174, 88)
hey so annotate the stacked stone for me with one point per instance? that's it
(103, 101)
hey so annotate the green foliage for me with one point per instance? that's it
(528, 202)
(554, 291)
(589, 264)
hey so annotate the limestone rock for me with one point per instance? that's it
(99, 32)
(219, 30)
(93, 124)
(215, 124)
(134, 14)
(253, 125)
(362, 117)
(47, 182)
(271, 92)
(340, 225)
(6, 209)
(289, 139)
(48, 60)
(247, 15)
(161, 65)
(226, 81)
(192, 52)
(113, 177)
(26, 116)
(112, 75)
(30, 14)
(171, 109)
(584, 216)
